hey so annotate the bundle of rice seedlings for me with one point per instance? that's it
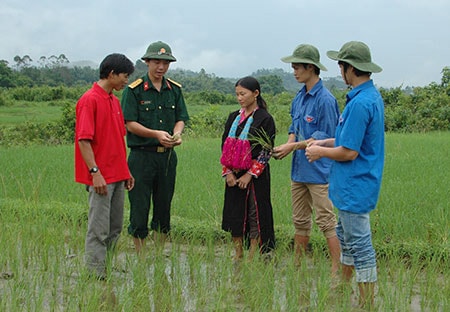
(265, 141)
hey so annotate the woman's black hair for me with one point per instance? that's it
(117, 63)
(250, 83)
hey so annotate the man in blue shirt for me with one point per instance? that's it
(314, 114)
(355, 178)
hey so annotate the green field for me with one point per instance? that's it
(43, 219)
(29, 112)
(42, 112)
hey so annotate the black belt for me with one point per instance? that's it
(157, 149)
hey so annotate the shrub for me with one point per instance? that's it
(5, 98)
(209, 123)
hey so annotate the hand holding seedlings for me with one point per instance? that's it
(283, 150)
(176, 136)
(176, 139)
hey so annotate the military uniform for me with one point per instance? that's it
(152, 165)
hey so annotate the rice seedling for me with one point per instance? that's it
(43, 219)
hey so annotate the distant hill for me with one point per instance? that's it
(57, 70)
(185, 75)
(292, 85)
(333, 83)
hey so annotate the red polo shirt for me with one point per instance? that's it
(99, 118)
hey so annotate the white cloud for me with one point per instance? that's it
(228, 63)
(234, 38)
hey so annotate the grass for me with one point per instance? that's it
(40, 112)
(43, 217)
(414, 210)
(47, 111)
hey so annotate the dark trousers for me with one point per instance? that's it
(154, 175)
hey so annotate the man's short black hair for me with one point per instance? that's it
(358, 73)
(117, 63)
(305, 66)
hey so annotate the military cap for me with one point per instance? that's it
(159, 51)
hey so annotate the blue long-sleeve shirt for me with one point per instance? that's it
(355, 185)
(315, 115)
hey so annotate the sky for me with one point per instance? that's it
(409, 39)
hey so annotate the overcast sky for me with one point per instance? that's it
(409, 39)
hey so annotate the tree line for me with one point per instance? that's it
(57, 71)
(417, 109)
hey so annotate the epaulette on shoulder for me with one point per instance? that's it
(135, 83)
(174, 82)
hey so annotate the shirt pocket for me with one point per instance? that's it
(147, 113)
(170, 111)
(310, 123)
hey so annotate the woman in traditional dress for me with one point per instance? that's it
(247, 142)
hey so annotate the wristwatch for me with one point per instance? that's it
(93, 170)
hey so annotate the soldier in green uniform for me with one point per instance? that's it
(155, 114)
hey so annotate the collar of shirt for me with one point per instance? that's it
(316, 88)
(100, 91)
(366, 85)
(149, 84)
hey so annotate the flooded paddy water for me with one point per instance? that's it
(185, 277)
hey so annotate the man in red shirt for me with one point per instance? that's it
(100, 160)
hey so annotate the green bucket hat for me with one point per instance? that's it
(159, 51)
(357, 54)
(306, 54)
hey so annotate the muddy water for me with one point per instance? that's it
(189, 279)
